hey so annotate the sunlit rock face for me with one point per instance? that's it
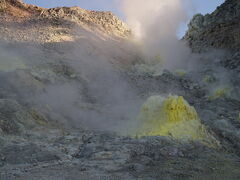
(174, 117)
(63, 24)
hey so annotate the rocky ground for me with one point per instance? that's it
(70, 81)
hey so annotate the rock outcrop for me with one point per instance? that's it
(103, 21)
(219, 29)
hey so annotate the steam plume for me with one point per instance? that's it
(155, 23)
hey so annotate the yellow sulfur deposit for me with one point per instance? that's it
(219, 93)
(180, 72)
(208, 79)
(158, 58)
(172, 116)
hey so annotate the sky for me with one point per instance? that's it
(199, 6)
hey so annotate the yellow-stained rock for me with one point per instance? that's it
(39, 119)
(219, 93)
(180, 72)
(208, 79)
(172, 116)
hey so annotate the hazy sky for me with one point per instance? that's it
(200, 6)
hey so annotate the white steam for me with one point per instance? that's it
(155, 23)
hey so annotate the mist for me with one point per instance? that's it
(155, 24)
(82, 83)
(76, 84)
(98, 97)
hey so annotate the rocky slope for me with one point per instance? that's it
(22, 22)
(72, 84)
(219, 29)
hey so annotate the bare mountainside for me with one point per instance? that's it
(78, 100)
(30, 23)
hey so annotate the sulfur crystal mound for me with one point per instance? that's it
(172, 116)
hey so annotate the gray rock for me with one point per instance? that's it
(12, 117)
(26, 154)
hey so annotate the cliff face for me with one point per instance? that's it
(220, 30)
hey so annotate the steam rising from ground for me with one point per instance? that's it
(73, 83)
(78, 83)
(155, 23)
